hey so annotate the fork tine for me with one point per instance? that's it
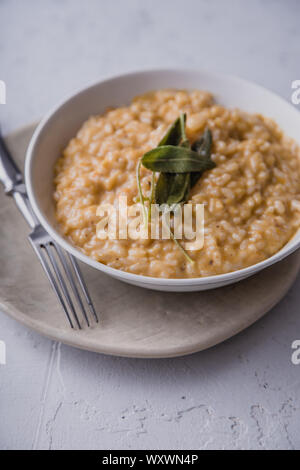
(83, 286)
(61, 282)
(71, 279)
(52, 280)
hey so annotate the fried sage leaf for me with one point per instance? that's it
(180, 188)
(203, 147)
(176, 133)
(170, 159)
(172, 188)
(162, 188)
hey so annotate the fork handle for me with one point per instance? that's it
(21, 199)
(10, 174)
(12, 179)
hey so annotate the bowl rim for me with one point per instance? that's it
(221, 279)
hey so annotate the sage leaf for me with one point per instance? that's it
(180, 188)
(195, 177)
(203, 147)
(162, 188)
(172, 188)
(171, 159)
(176, 133)
(179, 166)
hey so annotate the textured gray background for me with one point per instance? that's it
(241, 394)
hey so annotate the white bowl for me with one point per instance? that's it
(62, 123)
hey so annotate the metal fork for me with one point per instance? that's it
(61, 268)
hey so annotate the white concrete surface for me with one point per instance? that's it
(242, 394)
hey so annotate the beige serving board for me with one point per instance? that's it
(133, 321)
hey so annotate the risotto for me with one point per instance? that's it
(251, 197)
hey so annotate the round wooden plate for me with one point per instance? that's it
(134, 322)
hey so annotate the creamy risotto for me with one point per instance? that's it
(251, 197)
